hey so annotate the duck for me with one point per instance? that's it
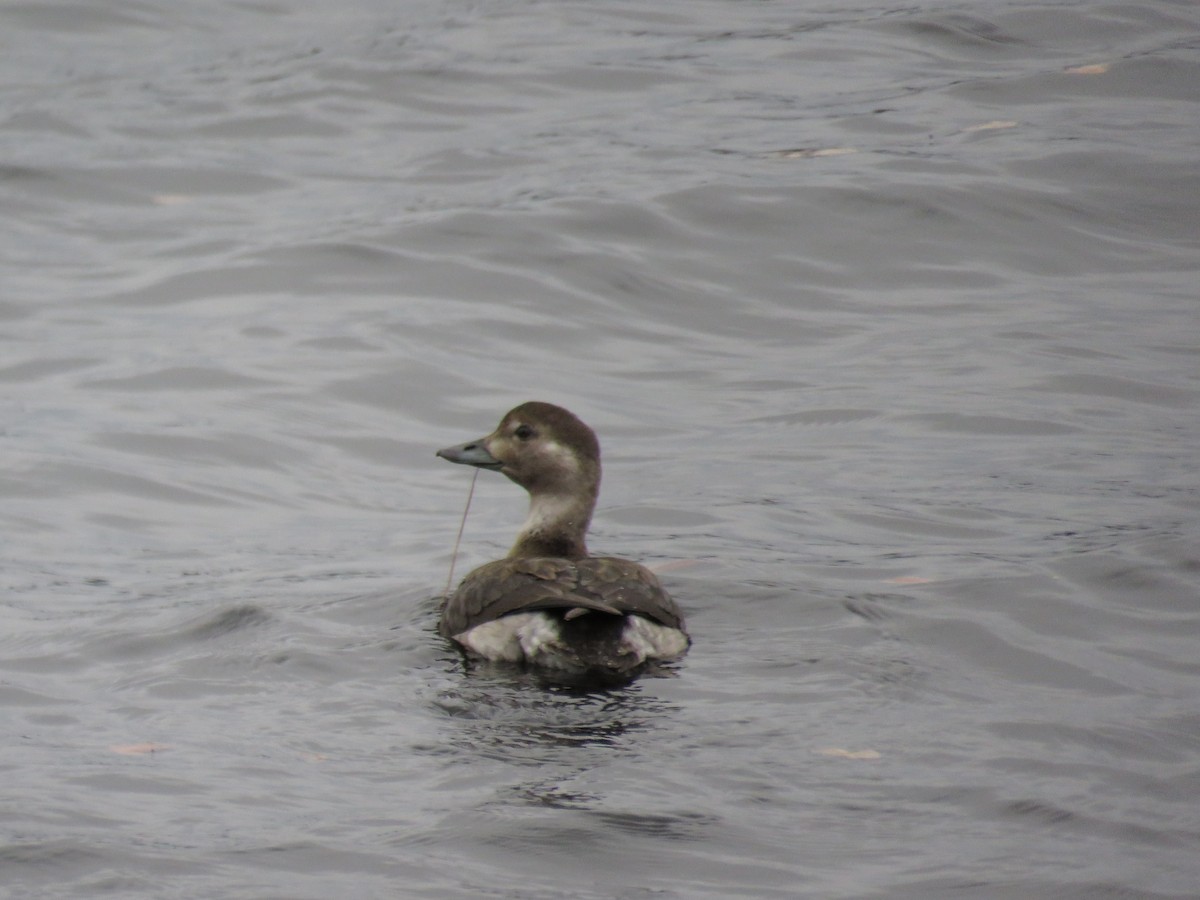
(549, 604)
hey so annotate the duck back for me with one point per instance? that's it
(601, 584)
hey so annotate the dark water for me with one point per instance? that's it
(887, 317)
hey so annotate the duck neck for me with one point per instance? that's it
(556, 526)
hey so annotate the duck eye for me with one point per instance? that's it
(524, 432)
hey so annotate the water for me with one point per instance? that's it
(887, 320)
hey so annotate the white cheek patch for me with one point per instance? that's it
(563, 458)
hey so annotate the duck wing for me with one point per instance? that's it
(630, 587)
(599, 584)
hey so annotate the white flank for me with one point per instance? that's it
(499, 639)
(534, 637)
(649, 640)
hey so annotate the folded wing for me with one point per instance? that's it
(598, 584)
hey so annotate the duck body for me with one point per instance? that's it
(549, 604)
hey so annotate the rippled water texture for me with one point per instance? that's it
(887, 319)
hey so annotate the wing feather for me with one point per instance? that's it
(600, 584)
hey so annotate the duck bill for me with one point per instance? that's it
(472, 453)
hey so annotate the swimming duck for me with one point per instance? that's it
(548, 603)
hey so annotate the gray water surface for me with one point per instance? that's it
(887, 317)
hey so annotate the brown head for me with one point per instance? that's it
(556, 458)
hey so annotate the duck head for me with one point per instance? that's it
(553, 455)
